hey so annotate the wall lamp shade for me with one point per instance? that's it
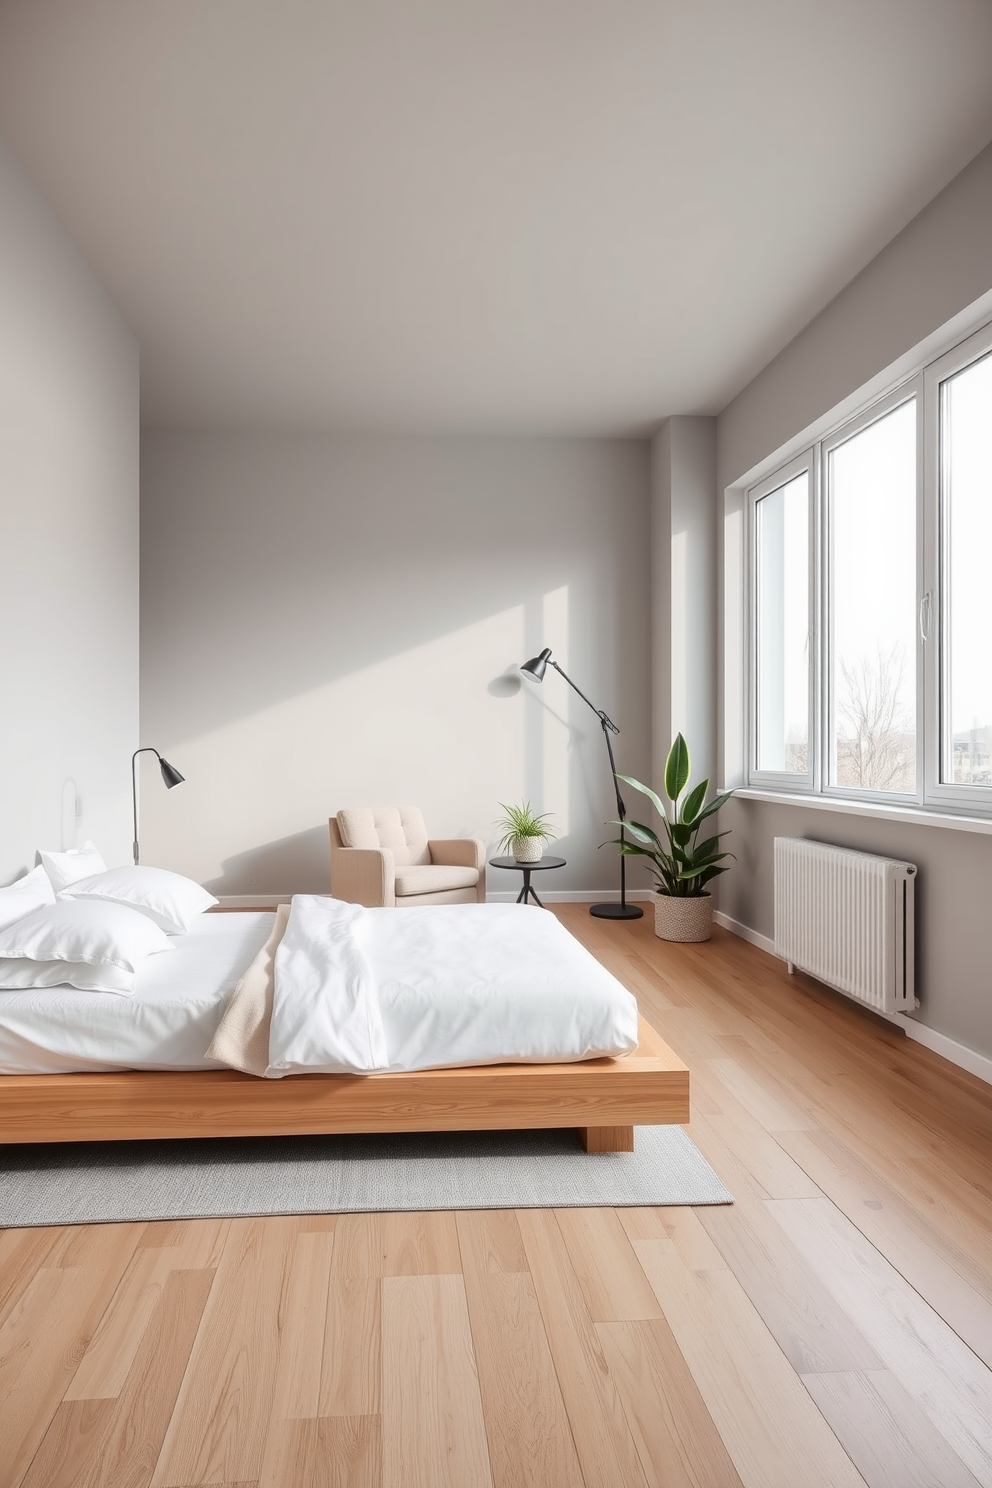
(538, 665)
(536, 668)
(170, 776)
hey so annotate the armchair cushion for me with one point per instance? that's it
(433, 879)
(400, 828)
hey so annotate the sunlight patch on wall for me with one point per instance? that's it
(556, 732)
(420, 727)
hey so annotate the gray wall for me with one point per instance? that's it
(683, 593)
(938, 267)
(953, 900)
(68, 543)
(331, 621)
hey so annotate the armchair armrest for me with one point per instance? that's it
(364, 875)
(458, 852)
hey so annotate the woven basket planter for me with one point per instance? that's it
(683, 919)
(528, 849)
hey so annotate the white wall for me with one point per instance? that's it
(683, 593)
(68, 543)
(937, 268)
(331, 621)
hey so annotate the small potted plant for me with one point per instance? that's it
(524, 832)
(682, 866)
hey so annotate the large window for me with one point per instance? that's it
(870, 630)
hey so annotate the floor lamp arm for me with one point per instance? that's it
(608, 727)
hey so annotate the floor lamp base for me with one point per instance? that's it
(616, 911)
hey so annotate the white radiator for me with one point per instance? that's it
(847, 919)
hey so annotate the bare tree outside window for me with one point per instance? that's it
(876, 746)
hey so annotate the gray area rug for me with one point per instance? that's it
(107, 1182)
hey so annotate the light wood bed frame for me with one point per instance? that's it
(604, 1098)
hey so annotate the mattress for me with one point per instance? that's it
(166, 1025)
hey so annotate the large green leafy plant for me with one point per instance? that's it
(682, 865)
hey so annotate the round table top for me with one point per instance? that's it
(545, 862)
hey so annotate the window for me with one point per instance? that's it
(782, 626)
(870, 623)
(870, 495)
(966, 538)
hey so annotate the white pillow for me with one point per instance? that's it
(21, 974)
(30, 892)
(63, 868)
(167, 898)
(87, 931)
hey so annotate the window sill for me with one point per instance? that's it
(921, 816)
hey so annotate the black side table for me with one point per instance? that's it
(527, 869)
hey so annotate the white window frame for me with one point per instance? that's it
(952, 803)
(971, 799)
(782, 779)
(905, 393)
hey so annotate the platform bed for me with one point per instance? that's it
(604, 1098)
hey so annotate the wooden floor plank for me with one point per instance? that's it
(350, 1363)
(892, 1443)
(494, 1237)
(951, 1281)
(530, 1442)
(767, 1421)
(219, 1425)
(676, 1437)
(22, 1254)
(44, 1337)
(296, 1392)
(807, 1323)
(606, 1449)
(328, 1452)
(433, 1429)
(613, 1285)
(91, 1444)
(108, 1357)
(948, 1382)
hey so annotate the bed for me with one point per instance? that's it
(101, 1067)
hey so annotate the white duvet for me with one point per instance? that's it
(359, 990)
(356, 990)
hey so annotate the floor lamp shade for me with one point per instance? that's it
(535, 669)
(170, 776)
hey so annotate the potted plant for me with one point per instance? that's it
(682, 866)
(524, 832)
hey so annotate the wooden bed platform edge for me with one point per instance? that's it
(604, 1098)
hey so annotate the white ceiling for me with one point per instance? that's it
(482, 215)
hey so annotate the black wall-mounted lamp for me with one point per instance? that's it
(536, 668)
(170, 775)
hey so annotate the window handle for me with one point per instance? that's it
(925, 613)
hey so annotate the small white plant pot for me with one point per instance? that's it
(684, 920)
(528, 849)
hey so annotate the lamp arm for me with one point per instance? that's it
(604, 718)
(134, 794)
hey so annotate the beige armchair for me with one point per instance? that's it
(383, 856)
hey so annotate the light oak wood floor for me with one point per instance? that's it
(833, 1327)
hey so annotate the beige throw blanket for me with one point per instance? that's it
(242, 1037)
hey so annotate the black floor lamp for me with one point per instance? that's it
(536, 668)
(170, 775)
